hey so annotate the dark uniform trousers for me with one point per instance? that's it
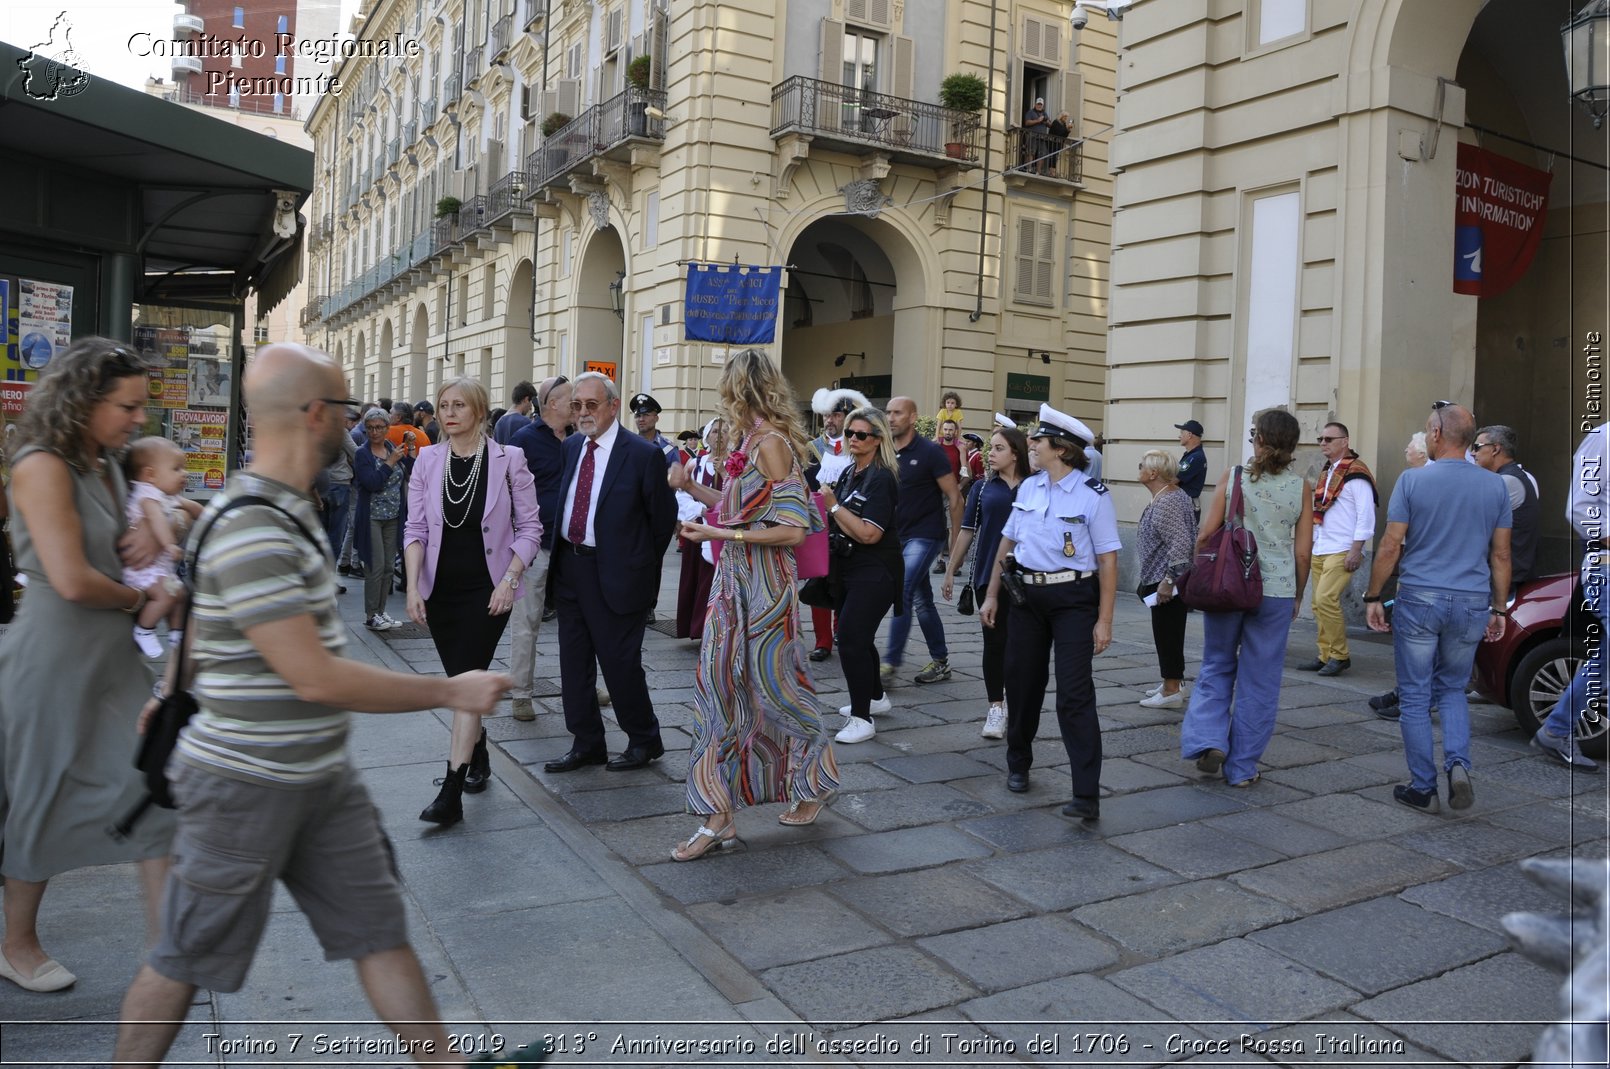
(592, 637)
(1063, 615)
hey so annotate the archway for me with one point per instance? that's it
(600, 333)
(391, 384)
(517, 349)
(418, 338)
(855, 311)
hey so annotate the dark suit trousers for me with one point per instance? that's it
(1060, 616)
(590, 634)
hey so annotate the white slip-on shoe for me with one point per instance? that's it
(857, 730)
(1164, 701)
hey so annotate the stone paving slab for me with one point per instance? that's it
(934, 768)
(1269, 988)
(1161, 807)
(1066, 876)
(1555, 823)
(1328, 777)
(1406, 943)
(905, 848)
(866, 985)
(1337, 877)
(1357, 817)
(449, 873)
(1505, 988)
(1276, 832)
(764, 931)
(927, 903)
(1483, 897)
(1031, 829)
(1472, 844)
(1093, 1006)
(732, 874)
(1157, 924)
(1197, 851)
(1019, 952)
(907, 807)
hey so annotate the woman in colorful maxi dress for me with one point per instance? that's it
(761, 737)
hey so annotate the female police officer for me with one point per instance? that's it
(1063, 537)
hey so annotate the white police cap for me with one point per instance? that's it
(1054, 424)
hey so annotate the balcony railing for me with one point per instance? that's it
(313, 311)
(443, 232)
(1033, 153)
(184, 22)
(472, 216)
(855, 119)
(452, 89)
(474, 63)
(507, 195)
(598, 130)
(427, 110)
(393, 151)
(252, 105)
(410, 134)
(500, 36)
(536, 11)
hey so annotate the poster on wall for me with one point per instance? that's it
(44, 321)
(201, 434)
(209, 383)
(1499, 210)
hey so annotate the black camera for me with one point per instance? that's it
(840, 544)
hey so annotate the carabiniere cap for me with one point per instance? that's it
(1054, 424)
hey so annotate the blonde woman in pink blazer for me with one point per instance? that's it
(472, 530)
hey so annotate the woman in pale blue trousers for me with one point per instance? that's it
(1232, 712)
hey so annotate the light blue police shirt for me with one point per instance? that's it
(1062, 526)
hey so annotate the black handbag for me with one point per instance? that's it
(964, 600)
(162, 733)
(817, 593)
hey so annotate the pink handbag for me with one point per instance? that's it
(810, 556)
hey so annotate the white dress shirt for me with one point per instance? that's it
(836, 459)
(1351, 518)
(606, 443)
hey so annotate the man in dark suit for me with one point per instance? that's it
(616, 516)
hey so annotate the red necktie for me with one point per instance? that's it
(577, 534)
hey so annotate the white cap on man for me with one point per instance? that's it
(1004, 421)
(1054, 424)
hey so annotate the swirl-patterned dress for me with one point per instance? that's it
(760, 734)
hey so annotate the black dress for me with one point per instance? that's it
(466, 635)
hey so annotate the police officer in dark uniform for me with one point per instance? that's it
(646, 411)
(1062, 543)
(1193, 465)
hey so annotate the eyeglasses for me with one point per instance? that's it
(1437, 407)
(339, 402)
(542, 401)
(587, 406)
(1327, 439)
(860, 436)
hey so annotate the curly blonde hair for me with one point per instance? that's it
(60, 403)
(753, 389)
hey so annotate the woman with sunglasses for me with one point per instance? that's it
(72, 682)
(1232, 712)
(989, 503)
(867, 562)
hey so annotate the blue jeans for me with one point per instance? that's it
(1589, 681)
(337, 505)
(1238, 690)
(1434, 639)
(919, 555)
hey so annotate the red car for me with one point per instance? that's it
(1531, 665)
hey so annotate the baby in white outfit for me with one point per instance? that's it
(155, 468)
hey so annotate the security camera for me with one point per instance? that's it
(1080, 17)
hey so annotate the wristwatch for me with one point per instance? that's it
(834, 511)
(1499, 612)
(1371, 599)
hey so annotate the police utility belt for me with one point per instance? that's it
(1048, 578)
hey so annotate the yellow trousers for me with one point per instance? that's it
(1330, 577)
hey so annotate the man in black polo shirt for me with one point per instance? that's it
(1193, 464)
(927, 485)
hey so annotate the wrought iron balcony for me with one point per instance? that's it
(393, 151)
(443, 232)
(472, 216)
(410, 134)
(507, 196)
(313, 311)
(606, 129)
(536, 11)
(853, 120)
(427, 111)
(474, 63)
(452, 89)
(1039, 155)
(500, 36)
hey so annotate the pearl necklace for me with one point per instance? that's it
(466, 488)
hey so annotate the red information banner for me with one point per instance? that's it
(1499, 210)
(13, 395)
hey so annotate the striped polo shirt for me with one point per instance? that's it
(257, 567)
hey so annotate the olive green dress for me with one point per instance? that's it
(72, 683)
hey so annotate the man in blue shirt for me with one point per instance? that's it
(1193, 464)
(540, 439)
(1447, 533)
(524, 398)
(927, 486)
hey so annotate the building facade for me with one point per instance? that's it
(1284, 229)
(523, 198)
(251, 55)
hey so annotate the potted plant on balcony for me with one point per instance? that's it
(448, 206)
(961, 92)
(638, 72)
(555, 122)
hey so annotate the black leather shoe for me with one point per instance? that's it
(821, 653)
(479, 768)
(1336, 668)
(576, 759)
(1017, 782)
(448, 807)
(636, 757)
(1083, 809)
(1311, 666)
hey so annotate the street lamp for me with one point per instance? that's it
(617, 296)
(1587, 58)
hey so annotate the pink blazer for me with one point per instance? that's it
(508, 528)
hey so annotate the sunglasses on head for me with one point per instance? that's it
(542, 401)
(1437, 407)
(860, 436)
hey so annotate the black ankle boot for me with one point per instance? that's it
(448, 808)
(480, 767)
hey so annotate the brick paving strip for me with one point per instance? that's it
(928, 901)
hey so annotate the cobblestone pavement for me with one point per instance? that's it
(930, 916)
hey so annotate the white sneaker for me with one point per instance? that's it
(879, 705)
(380, 622)
(146, 639)
(857, 730)
(1155, 690)
(1159, 700)
(390, 623)
(995, 723)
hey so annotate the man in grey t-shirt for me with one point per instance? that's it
(1448, 523)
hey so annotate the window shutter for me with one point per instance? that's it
(1023, 277)
(569, 96)
(1044, 260)
(1042, 41)
(877, 14)
(1031, 38)
(1073, 99)
(656, 49)
(901, 84)
(855, 10)
(831, 69)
